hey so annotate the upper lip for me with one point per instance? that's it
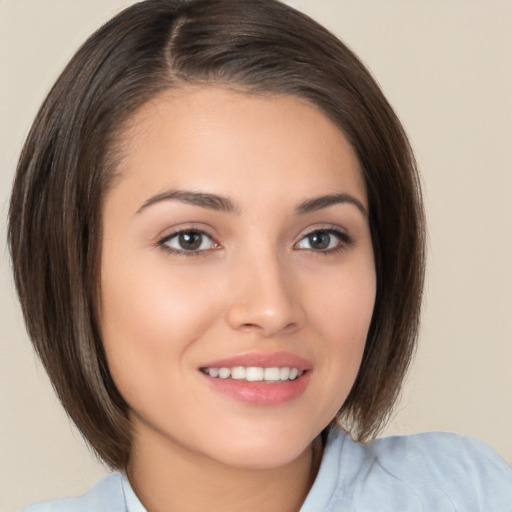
(263, 360)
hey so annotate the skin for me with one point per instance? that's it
(257, 283)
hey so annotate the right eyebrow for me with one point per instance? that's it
(202, 199)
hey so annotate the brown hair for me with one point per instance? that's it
(67, 164)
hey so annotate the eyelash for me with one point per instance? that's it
(344, 241)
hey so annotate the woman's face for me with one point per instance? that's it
(238, 277)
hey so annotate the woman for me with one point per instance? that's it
(226, 296)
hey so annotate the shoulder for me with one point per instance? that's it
(105, 496)
(432, 471)
(445, 470)
(438, 448)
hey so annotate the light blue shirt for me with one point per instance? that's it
(432, 472)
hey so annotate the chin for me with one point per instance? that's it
(255, 459)
(256, 449)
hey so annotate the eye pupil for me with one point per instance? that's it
(190, 241)
(319, 240)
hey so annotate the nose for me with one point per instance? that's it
(265, 298)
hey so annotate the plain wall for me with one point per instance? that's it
(446, 67)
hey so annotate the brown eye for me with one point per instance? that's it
(320, 240)
(324, 240)
(188, 241)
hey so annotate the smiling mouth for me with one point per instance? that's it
(255, 373)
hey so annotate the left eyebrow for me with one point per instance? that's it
(318, 203)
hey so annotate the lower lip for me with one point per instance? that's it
(265, 394)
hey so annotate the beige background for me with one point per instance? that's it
(446, 66)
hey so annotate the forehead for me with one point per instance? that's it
(211, 137)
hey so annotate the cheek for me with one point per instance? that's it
(344, 304)
(149, 318)
(342, 317)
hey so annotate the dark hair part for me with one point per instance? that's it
(68, 161)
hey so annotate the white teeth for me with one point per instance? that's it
(271, 374)
(238, 373)
(255, 373)
(213, 372)
(224, 373)
(284, 373)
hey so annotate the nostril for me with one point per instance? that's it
(249, 327)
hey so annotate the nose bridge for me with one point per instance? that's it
(264, 294)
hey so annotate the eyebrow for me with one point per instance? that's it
(224, 204)
(318, 203)
(202, 199)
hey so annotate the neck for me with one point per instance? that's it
(175, 479)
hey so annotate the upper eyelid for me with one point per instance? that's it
(185, 228)
(333, 228)
(174, 234)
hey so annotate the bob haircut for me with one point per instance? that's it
(69, 161)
